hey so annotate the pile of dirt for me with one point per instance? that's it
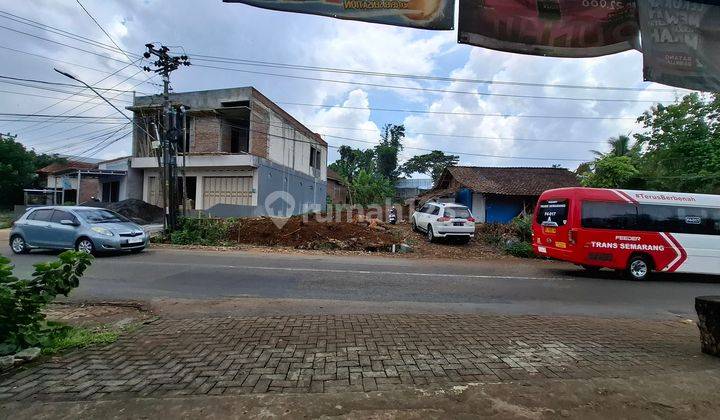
(139, 211)
(359, 234)
(136, 210)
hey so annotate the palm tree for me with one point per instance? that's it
(621, 145)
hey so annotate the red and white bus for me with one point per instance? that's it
(635, 231)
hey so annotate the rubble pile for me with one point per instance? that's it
(359, 234)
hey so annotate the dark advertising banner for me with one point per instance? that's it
(558, 28)
(681, 43)
(425, 14)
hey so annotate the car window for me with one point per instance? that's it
(101, 216)
(59, 215)
(42, 215)
(424, 208)
(435, 210)
(457, 212)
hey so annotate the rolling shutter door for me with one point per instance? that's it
(227, 190)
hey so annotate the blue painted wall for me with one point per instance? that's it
(502, 209)
(464, 197)
(276, 186)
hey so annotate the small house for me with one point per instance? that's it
(496, 194)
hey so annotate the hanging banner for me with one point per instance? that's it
(681, 43)
(425, 14)
(557, 28)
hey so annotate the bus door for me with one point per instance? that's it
(552, 218)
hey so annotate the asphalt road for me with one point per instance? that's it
(273, 283)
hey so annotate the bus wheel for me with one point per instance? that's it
(638, 268)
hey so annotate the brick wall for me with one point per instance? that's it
(259, 125)
(89, 187)
(207, 134)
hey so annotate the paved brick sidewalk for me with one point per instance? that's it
(356, 353)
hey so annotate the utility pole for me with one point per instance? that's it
(164, 65)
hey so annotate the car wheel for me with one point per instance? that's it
(18, 245)
(430, 234)
(85, 245)
(638, 268)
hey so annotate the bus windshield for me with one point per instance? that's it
(552, 212)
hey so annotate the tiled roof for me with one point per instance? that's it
(333, 175)
(508, 181)
(71, 164)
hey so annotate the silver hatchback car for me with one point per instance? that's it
(86, 229)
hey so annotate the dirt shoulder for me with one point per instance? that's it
(680, 395)
(421, 248)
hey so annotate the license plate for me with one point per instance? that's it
(542, 249)
(458, 224)
(137, 240)
(550, 230)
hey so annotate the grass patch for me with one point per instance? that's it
(6, 219)
(75, 337)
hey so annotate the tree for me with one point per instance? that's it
(353, 161)
(611, 172)
(683, 145)
(433, 164)
(386, 153)
(621, 145)
(371, 188)
(17, 169)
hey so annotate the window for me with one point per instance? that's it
(59, 215)
(424, 209)
(553, 212)
(607, 215)
(651, 218)
(41, 215)
(101, 216)
(239, 140)
(315, 158)
(457, 212)
(435, 210)
(679, 219)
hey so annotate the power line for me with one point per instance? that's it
(55, 60)
(467, 114)
(53, 97)
(413, 148)
(420, 89)
(87, 101)
(61, 101)
(12, 114)
(212, 58)
(463, 136)
(107, 57)
(110, 38)
(45, 82)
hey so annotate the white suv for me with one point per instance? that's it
(443, 220)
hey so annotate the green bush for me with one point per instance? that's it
(196, 231)
(22, 323)
(520, 249)
(522, 227)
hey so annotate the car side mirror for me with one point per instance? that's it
(67, 222)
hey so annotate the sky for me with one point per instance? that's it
(210, 27)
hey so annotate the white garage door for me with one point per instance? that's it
(227, 190)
